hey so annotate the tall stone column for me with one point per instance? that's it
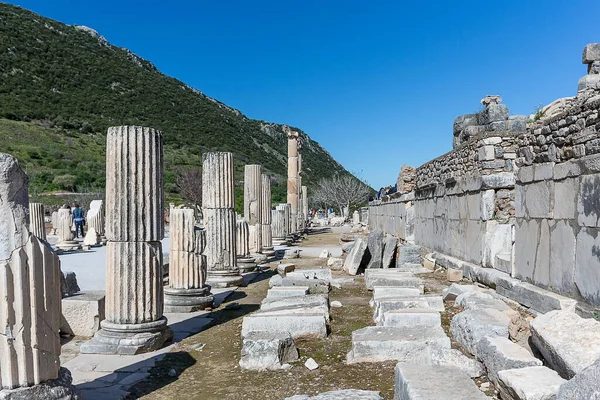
(288, 222)
(134, 228)
(219, 219)
(187, 290)
(265, 215)
(36, 216)
(252, 205)
(66, 240)
(300, 213)
(305, 203)
(245, 262)
(30, 300)
(278, 225)
(292, 183)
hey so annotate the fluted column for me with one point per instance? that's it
(265, 215)
(134, 228)
(245, 262)
(253, 204)
(30, 299)
(187, 290)
(219, 219)
(288, 221)
(278, 225)
(96, 222)
(292, 183)
(305, 203)
(36, 216)
(64, 231)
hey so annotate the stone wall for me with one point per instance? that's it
(558, 202)
(393, 216)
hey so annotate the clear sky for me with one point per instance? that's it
(377, 83)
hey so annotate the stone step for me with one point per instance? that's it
(299, 326)
(530, 383)
(283, 269)
(268, 351)
(427, 382)
(412, 317)
(324, 274)
(379, 343)
(297, 309)
(395, 292)
(287, 291)
(568, 342)
(397, 279)
(433, 303)
(315, 286)
(308, 300)
(469, 327)
(499, 353)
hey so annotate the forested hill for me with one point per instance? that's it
(62, 86)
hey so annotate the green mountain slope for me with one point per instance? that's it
(65, 85)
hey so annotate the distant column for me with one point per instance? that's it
(292, 184)
(252, 205)
(30, 308)
(187, 290)
(219, 219)
(300, 213)
(134, 228)
(66, 240)
(36, 216)
(288, 222)
(245, 262)
(305, 203)
(265, 216)
(95, 219)
(278, 230)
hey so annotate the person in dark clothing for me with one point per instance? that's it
(78, 217)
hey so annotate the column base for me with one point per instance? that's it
(187, 300)
(68, 245)
(280, 242)
(128, 339)
(268, 251)
(260, 258)
(224, 280)
(60, 388)
(246, 264)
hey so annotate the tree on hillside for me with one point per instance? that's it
(341, 191)
(189, 184)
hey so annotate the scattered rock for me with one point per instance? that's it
(283, 269)
(455, 290)
(335, 263)
(346, 247)
(336, 304)
(389, 251)
(454, 275)
(311, 364)
(268, 351)
(324, 254)
(469, 327)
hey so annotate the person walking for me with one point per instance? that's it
(78, 217)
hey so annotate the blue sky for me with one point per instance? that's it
(377, 83)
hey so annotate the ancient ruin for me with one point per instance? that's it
(245, 262)
(64, 230)
(187, 290)
(218, 208)
(265, 217)
(253, 205)
(134, 228)
(36, 216)
(29, 299)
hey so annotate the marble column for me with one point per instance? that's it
(134, 228)
(64, 231)
(292, 183)
(288, 222)
(300, 213)
(245, 262)
(187, 290)
(305, 204)
(38, 224)
(55, 222)
(278, 225)
(95, 222)
(30, 300)
(252, 205)
(265, 215)
(218, 208)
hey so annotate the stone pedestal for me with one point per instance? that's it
(134, 227)
(29, 299)
(219, 220)
(265, 216)
(65, 234)
(36, 216)
(187, 290)
(245, 262)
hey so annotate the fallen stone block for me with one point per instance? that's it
(413, 269)
(354, 260)
(379, 343)
(469, 327)
(314, 285)
(298, 325)
(347, 246)
(345, 394)
(335, 263)
(499, 353)
(408, 254)
(285, 291)
(450, 358)
(397, 279)
(433, 303)
(324, 274)
(455, 290)
(412, 317)
(585, 385)
(473, 300)
(291, 253)
(530, 383)
(486, 276)
(307, 301)
(568, 342)
(380, 292)
(68, 283)
(375, 248)
(324, 253)
(534, 297)
(389, 250)
(454, 275)
(268, 351)
(283, 269)
(82, 313)
(434, 382)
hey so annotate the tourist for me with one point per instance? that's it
(78, 217)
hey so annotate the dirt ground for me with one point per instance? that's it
(206, 364)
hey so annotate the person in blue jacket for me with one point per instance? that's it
(79, 218)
